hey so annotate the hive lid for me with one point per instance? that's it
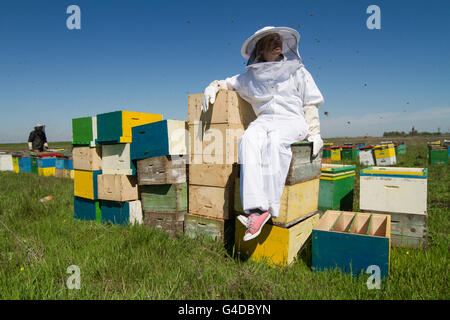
(417, 173)
(336, 168)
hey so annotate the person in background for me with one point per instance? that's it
(37, 140)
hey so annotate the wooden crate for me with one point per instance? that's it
(170, 222)
(351, 241)
(296, 202)
(118, 212)
(394, 190)
(213, 202)
(85, 184)
(229, 108)
(336, 187)
(86, 209)
(116, 159)
(117, 187)
(6, 163)
(214, 143)
(115, 127)
(161, 138)
(214, 175)
(162, 170)
(165, 197)
(46, 172)
(303, 166)
(277, 245)
(84, 131)
(216, 229)
(87, 158)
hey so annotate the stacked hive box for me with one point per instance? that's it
(46, 166)
(326, 152)
(437, 153)
(282, 238)
(213, 158)
(348, 152)
(336, 187)
(117, 183)
(161, 150)
(336, 154)
(25, 164)
(385, 155)
(351, 241)
(401, 193)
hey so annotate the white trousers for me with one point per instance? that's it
(265, 155)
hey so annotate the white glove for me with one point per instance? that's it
(311, 113)
(210, 93)
(30, 146)
(45, 146)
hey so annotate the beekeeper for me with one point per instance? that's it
(285, 99)
(37, 140)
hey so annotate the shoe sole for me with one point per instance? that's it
(253, 236)
(244, 224)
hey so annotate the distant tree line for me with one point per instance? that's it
(413, 134)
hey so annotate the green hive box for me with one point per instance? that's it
(438, 155)
(164, 197)
(84, 131)
(336, 187)
(348, 153)
(401, 149)
(34, 165)
(326, 153)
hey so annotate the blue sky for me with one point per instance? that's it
(149, 55)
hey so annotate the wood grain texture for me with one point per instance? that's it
(162, 170)
(87, 158)
(217, 229)
(165, 197)
(213, 202)
(172, 223)
(117, 187)
(215, 175)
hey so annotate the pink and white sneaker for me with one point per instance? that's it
(255, 224)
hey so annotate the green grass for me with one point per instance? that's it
(39, 241)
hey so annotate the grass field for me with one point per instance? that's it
(38, 241)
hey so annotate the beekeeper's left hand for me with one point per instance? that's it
(311, 113)
(317, 143)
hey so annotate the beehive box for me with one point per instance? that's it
(117, 187)
(351, 241)
(214, 143)
(25, 164)
(162, 170)
(47, 172)
(84, 131)
(401, 193)
(165, 198)
(210, 201)
(6, 163)
(394, 189)
(87, 158)
(16, 167)
(303, 166)
(86, 209)
(116, 127)
(336, 187)
(34, 165)
(60, 163)
(336, 154)
(216, 229)
(385, 155)
(116, 159)
(401, 148)
(277, 245)
(366, 156)
(123, 213)
(214, 175)
(46, 162)
(436, 155)
(85, 184)
(348, 153)
(161, 138)
(326, 153)
(170, 222)
(296, 202)
(228, 108)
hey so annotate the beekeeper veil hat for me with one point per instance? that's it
(290, 43)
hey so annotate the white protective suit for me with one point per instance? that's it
(279, 93)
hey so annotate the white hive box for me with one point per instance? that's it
(116, 159)
(6, 163)
(394, 190)
(366, 157)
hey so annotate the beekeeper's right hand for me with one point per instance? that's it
(209, 96)
(30, 146)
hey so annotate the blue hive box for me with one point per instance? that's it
(60, 163)
(86, 209)
(46, 162)
(25, 164)
(115, 212)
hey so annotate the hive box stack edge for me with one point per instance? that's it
(214, 136)
(282, 238)
(401, 193)
(117, 183)
(161, 152)
(336, 190)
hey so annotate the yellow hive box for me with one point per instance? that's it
(297, 201)
(16, 167)
(72, 174)
(278, 246)
(46, 172)
(85, 185)
(335, 154)
(385, 151)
